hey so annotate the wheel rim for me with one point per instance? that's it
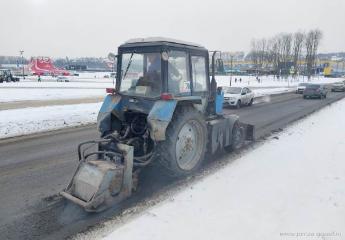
(189, 145)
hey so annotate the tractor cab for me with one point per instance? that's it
(162, 68)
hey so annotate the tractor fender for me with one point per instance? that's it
(111, 105)
(159, 118)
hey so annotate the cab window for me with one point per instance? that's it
(199, 73)
(178, 74)
(141, 74)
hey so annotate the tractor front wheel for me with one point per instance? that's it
(183, 151)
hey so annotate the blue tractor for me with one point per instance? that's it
(165, 108)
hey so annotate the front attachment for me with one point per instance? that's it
(104, 182)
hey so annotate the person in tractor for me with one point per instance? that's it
(152, 77)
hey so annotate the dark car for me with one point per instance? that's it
(338, 87)
(315, 91)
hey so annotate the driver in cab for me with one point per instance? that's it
(152, 77)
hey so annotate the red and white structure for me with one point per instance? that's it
(45, 66)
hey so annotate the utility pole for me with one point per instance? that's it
(231, 59)
(21, 54)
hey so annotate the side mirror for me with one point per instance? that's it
(243, 93)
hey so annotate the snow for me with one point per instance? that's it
(87, 85)
(25, 121)
(290, 187)
(271, 81)
(93, 85)
(48, 89)
(10, 95)
(270, 91)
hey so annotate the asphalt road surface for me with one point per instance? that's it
(34, 169)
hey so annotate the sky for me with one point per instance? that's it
(77, 28)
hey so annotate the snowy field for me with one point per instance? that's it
(291, 187)
(12, 95)
(31, 120)
(25, 121)
(271, 81)
(49, 89)
(85, 86)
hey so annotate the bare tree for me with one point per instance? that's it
(286, 39)
(312, 41)
(262, 44)
(284, 49)
(298, 40)
(276, 52)
(253, 52)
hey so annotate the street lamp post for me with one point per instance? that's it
(231, 62)
(21, 54)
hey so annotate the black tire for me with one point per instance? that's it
(238, 137)
(184, 118)
(238, 104)
(305, 97)
(251, 102)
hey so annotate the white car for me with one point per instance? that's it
(301, 87)
(62, 79)
(238, 96)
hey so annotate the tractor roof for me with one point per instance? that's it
(156, 41)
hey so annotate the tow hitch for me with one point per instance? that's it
(102, 180)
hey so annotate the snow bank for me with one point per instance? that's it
(270, 91)
(291, 187)
(32, 120)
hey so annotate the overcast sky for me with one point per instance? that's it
(75, 28)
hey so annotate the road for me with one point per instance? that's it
(34, 169)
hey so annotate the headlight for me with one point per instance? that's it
(232, 99)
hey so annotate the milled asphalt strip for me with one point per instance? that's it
(45, 103)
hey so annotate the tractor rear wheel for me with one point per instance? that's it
(183, 151)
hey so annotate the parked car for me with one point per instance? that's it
(315, 91)
(62, 79)
(238, 96)
(300, 88)
(338, 87)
